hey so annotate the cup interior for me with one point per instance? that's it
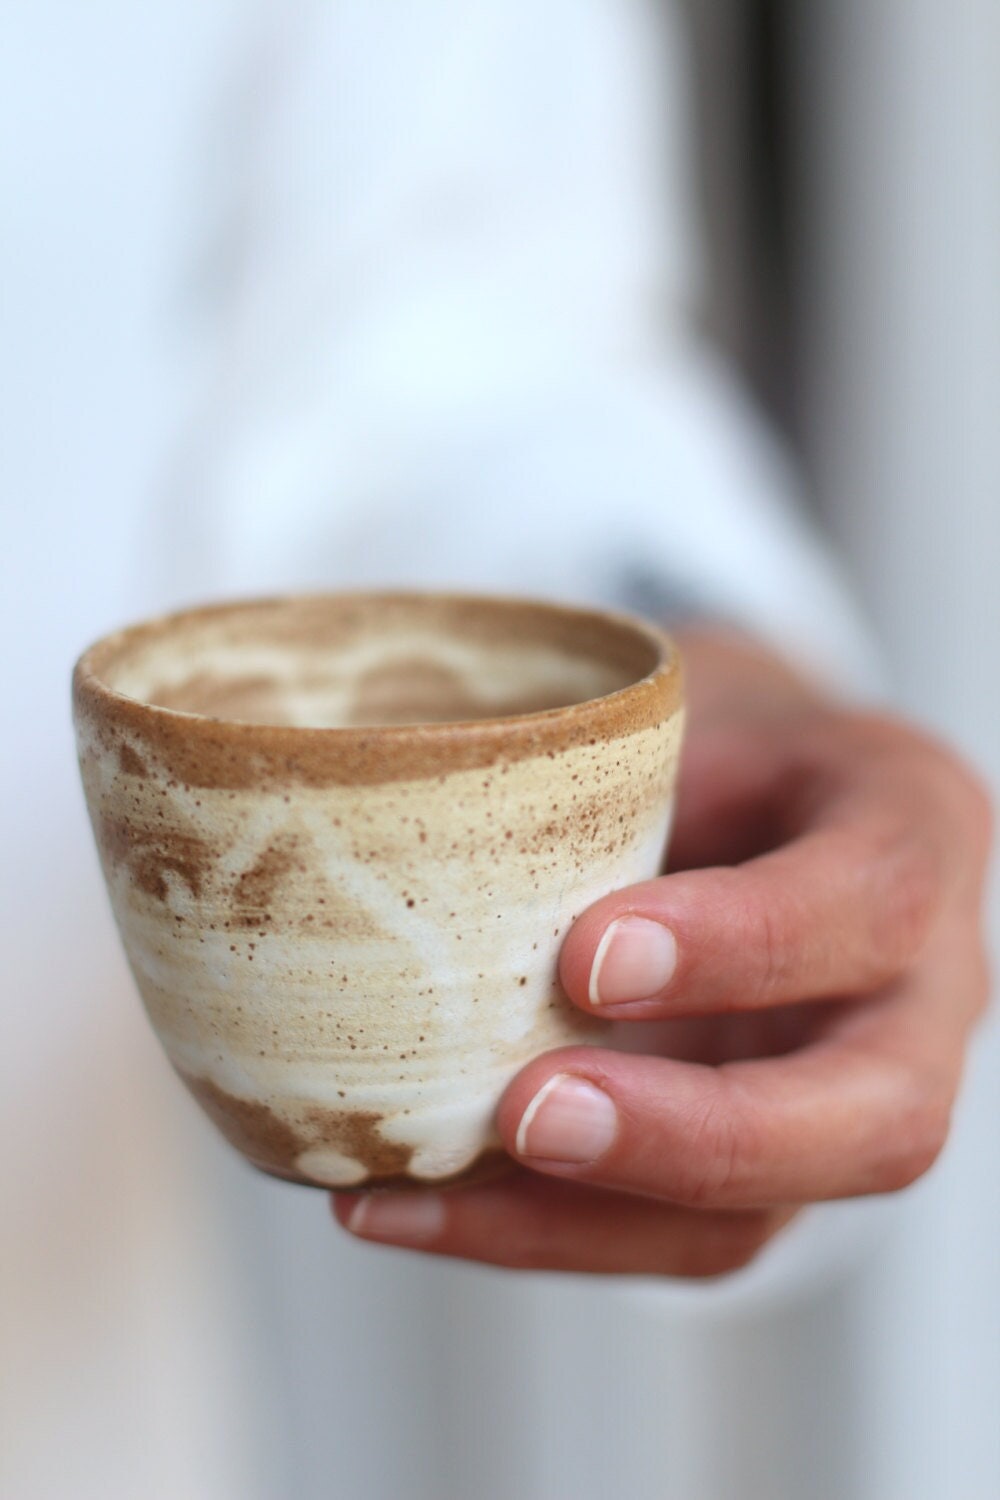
(380, 659)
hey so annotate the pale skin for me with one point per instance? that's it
(809, 986)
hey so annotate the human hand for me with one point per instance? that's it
(802, 987)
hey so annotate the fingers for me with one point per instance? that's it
(875, 833)
(863, 1110)
(530, 1223)
(838, 911)
(884, 842)
(647, 1166)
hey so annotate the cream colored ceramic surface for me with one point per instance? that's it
(347, 939)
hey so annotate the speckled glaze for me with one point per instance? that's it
(344, 837)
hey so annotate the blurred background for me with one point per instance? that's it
(796, 202)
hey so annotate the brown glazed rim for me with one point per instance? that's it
(199, 750)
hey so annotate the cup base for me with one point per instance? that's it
(490, 1166)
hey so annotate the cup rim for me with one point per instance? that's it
(639, 704)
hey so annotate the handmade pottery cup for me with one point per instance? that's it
(344, 837)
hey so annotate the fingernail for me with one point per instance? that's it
(635, 959)
(404, 1218)
(567, 1120)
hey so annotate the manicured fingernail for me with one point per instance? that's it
(568, 1120)
(635, 959)
(403, 1218)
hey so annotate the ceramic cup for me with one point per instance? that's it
(344, 837)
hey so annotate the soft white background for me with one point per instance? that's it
(176, 1327)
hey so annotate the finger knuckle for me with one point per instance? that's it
(964, 796)
(974, 995)
(939, 789)
(982, 985)
(918, 1137)
(903, 919)
(979, 813)
(767, 955)
(720, 1141)
(978, 792)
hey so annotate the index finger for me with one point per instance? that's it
(843, 907)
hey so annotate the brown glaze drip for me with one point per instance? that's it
(151, 853)
(271, 1143)
(130, 763)
(356, 1134)
(250, 1126)
(255, 888)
